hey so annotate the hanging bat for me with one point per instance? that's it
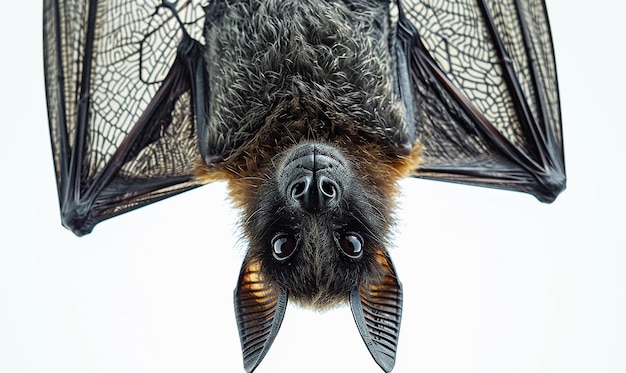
(311, 111)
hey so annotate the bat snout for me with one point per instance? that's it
(313, 177)
(313, 193)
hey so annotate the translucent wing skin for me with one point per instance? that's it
(118, 84)
(125, 90)
(483, 86)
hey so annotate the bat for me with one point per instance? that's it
(311, 111)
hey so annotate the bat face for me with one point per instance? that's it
(317, 223)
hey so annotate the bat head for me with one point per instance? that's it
(317, 223)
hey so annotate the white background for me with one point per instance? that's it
(494, 281)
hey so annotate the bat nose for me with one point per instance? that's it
(315, 193)
(314, 177)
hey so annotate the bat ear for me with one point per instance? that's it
(259, 308)
(377, 309)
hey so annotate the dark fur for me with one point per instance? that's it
(272, 61)
(284, 72)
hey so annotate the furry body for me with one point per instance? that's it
(284, 73)
(307, 127)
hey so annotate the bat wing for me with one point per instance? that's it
(125, 90)
(481, 78)
(119, 86)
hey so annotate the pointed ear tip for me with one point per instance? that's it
(387, 363)
(250, 366)
(252, 361)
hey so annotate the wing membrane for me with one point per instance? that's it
(123, 107)
(120, 104)
(485, 93)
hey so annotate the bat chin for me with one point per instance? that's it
(321, 302)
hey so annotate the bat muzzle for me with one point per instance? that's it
(313, 177)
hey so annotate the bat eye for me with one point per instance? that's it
(283, 245)
(351, 244)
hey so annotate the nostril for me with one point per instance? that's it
(299, 188)
(300, 191)
(328, 188)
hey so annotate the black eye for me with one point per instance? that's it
(351, 244)
(283, 245)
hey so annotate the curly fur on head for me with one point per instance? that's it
(273, 60)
